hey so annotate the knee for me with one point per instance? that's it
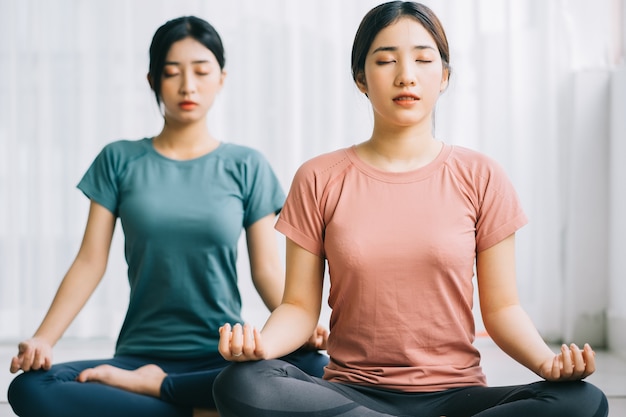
(15, 390)
(582, 399)
(249, 378)
(227, 383)
(594, 395)
(32, 393)
(234, 375)
(22, 393)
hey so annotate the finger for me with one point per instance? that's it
(16, 364)
(26, 355)
(47, 364)
(324, 341)
(23, 347)
(590, 360)
(566, 357)
(555, 373)
(258, 343)
(314, 342)
(236, 343)
(42, 357)
(248, 341)
(224, 344)
(578, 362)
(37, 360)
(319, 341)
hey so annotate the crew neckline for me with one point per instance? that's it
(150, 144)
(403, 176)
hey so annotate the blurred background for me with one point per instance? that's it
(540, 85)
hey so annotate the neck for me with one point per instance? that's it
(401, 149)
(185, 141)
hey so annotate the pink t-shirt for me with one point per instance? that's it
(401, 250)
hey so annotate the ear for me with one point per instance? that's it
(361, 83)
(444, 80)
(150, 81)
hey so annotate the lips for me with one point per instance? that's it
(187, 105)
(406, 98)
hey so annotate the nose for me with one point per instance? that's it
(406, 74)
(187, 83)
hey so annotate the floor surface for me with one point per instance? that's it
(499, 368)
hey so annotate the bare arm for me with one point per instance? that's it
(268, 274)
(266, 268)
(291, 324)
(512, 329)
(79, 282)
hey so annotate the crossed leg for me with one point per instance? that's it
(145, 380)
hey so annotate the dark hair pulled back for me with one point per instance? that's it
(384, 15)
(173, 31)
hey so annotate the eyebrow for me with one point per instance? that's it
(395, 48)
(200, 61)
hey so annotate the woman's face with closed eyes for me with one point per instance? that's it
(191, 80)
(403, 74)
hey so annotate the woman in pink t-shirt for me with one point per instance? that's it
(401, 219)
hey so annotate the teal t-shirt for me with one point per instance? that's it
(182, 221)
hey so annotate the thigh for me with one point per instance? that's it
(56, 393)
(540, 399)
(275, 387)
(190, 383)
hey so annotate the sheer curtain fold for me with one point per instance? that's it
(74, 79)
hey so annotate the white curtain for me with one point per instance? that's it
(73, 78)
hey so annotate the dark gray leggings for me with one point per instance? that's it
(55, 393)
(275, 388)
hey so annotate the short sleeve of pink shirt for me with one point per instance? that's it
(401, 250)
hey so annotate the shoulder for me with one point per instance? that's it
(469, 158)
(479, 174)
(116, 156)
(241, 152)
(126, 149)
(473, 164)
(325, 166)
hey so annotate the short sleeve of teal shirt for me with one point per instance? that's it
(182, 221)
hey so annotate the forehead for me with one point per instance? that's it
(405, 32)
(189, 50)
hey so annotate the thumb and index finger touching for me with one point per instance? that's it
(240, 343)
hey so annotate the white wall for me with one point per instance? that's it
(72, 78)
(616, 320)
(586, 147)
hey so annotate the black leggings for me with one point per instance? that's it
(275, 388)
(188, 385)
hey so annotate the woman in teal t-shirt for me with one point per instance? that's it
(183, 198)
